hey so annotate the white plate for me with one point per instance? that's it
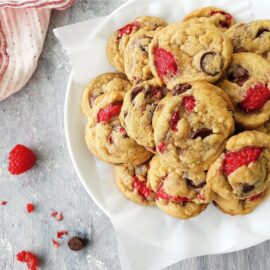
(157, 233)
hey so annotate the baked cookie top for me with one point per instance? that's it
(243, 170)
(191, 126)
(178, 193)
(133, 183)
(251, 37)
(137, 112)
(101, 85)
(105, 136)
(189, 51)
(247, 84)
(119, 39)
(218, 17)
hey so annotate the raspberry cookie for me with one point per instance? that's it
(189, 51)
(191, 125)
(101, 85)
(138, 109)
(107, 139)
(247, 84)
(252, 37)
(181, 194)
(220, 18)
(136, 57)
(133, 183)
(119, 39)
(243, 170)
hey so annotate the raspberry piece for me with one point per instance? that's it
(161, 194)
(55, 243)
(141, 188)
(60, 234)
(21, 159)
(29, 258)
(127, 29)
(54, 214)
(233, 160)
(164, 62)
(106, 114)
(60, 217)
(255, 98)
(228, 18)
(174, 121)
(257, 196)
(189, 103)
(161, 147)
(4, 203)
(30, 207)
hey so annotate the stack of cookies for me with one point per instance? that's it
(185, 117)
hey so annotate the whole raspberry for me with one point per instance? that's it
(233, 160)
(189, 103)
(21, 159)
(106, 114)
(127, 29)
(29, 258)
(255, 98)
(161, 194)
(164, 62)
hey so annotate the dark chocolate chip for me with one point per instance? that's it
(246, 188)
(224, 24)
(211, 63)
(203, 133)
(261, 31)
(135, 92)
(76, 243)
(181, 88)
(239, 49)
(191, 184)
(238, 74)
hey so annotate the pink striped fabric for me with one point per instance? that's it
(23, 27)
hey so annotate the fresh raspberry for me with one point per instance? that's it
(161, 147)
(233, 160)
(4, 203)
(189, 103)
(127, 29)
(174, 121)
(106, 114)
(164, 62)
(60, 234)
(257, 196)
(161, 194)
(29, 258)
(141, 188)
(30, 207)
(56, 243)
(228, 18)
(21, 159)
(255, 98)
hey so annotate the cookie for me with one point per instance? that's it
(191, 125)
(138, 109)
(133, 183)
(243, 170)
(251, 37)
(218, 17)
(101, 85)
(181, 194)
(119, 39)
(265, 128)
(136, 57)
(189, 51)
(107, 139)
(247, 84)
(239, 207)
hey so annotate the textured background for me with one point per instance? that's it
(34, 117)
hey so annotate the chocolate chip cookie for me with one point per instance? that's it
(181, 194)
(101, 85)
(191, 126)
(218, 17)
(189, 51)
(119, 39)
(247, 84)
(134, 184)
(107, 139)
(138, 109)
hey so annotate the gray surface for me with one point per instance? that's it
(34, 117)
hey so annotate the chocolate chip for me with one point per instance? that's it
(239, 49)
(203, 132)
(180, 89)
(135, 92)
(238, 74)
(261, 31)
(211, 63)
(191, 184)
(76, 243)
(246, 188)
